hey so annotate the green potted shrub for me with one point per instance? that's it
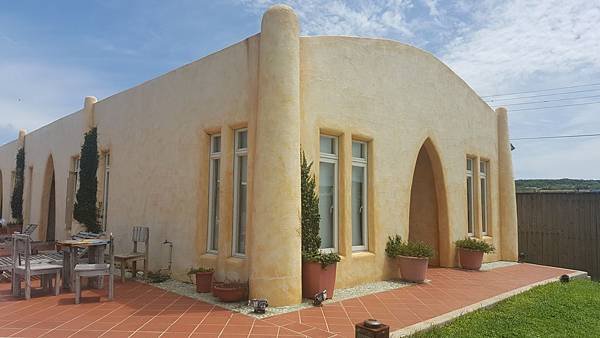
(230, 291)
(318, 268)
(413, 257)
(470, 252)
(203, 278)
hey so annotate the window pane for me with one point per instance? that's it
(484, 205)
(470, 204)
(327, 145)
(216, 144)
(241, 230)
(358, 150)
(214, 221)
(242, 139)
(326, 203)
(469, 164)
(357, 205)
(482, 167)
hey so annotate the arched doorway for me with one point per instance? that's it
(428, 211)
(48, 215)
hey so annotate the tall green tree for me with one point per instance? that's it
(85, 211)
(311, 240)
(16, 202)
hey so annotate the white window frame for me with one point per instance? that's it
(105, 189)
(483, 196)
(470, 216)
(363, 163)
(212, 226)
(76, 171)
(238, 153)
(334, 159)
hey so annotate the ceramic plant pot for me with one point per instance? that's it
(203, 281)
(470, 259)
(413, 269)
(316, 279)
(228, 293)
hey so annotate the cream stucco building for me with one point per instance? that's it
(207, 156)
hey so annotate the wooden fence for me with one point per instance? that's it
(560, 229)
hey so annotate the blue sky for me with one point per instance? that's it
(53, 53)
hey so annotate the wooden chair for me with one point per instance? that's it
(140, 235)
(24, 268)
(97, 270)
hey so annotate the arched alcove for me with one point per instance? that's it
(428, 218)
(48, 214)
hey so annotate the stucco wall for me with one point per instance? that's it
(394, 96)
(8, 153)
(158, 137)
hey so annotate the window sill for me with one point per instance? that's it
(362, 254)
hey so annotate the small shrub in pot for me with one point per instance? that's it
(413, 257)
(203, 278)
(470, 252)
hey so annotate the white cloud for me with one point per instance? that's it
(337, 17)
(35, 94)
(523, 40)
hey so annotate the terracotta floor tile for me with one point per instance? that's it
(59, 333)
(87, 334)
(30, 333)
(7, 332)
(264, 330)
(209, 328)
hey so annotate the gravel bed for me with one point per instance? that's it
(189, 290)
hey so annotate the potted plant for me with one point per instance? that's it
(230, 291)
(203, 278)
(318, 268)
(470, 252)
(413, 257)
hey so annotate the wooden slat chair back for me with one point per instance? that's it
(97, 270)
(24, 268)
(28, 230)
(140, 235)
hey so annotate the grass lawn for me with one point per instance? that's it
(552, 310)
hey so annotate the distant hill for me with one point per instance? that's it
(557, 184)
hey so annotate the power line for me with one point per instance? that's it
(543, 90)
(552, 107)
(541, 95)
(554, 137)
(556, 100)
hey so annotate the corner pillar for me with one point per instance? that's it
(88, 112)
(509, 241)
(274, 242)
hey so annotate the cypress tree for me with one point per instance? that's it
(311, 240)
(16, 202)
(85, 211)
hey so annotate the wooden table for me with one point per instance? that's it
(72, 248)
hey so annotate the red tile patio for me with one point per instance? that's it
(141, 310)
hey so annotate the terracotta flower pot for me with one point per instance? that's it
(470, 259)
(413, 269)
(203, 281)
(316, 279)
(228, 293)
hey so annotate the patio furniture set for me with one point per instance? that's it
(83, 255)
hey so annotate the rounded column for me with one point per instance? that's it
(274, 236)
(88, 112)
(509, 240)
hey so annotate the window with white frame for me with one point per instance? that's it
(105, 190)
(75, 166)
(240, 192)
(328, 202)
(470, 218)
(359, 196)
(213, 191)
(483, 180)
